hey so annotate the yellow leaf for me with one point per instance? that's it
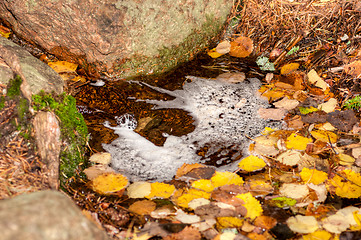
(226, 178)
(203, 184)
(324, 136)
(79, 79)
(313, 176)
(288, 68)
(347, 186)
(144, 207)
(241, 47)
(229, 222)
(303, 224)
(109, 183)
(297, 142)
(63, 66)
(345, 159)
(213, 53)
(251, 163)
(187, 196)
(320, 234)
(161, 190)
(254, 208)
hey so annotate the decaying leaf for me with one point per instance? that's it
(328, 106)
(231, 77)
(144, 207)
(293, 190)
(272, 113)
(286, 103)
(101, 158)
(265, 222)
(290, 157)
(316, 80)
(342, 120)
(251, 163)
(189, 233)
(241, 47)
(186, 218)
(303, 224)
(353, 68)
(282, 202)
(109, 183)
(223, 47)
(253, 206)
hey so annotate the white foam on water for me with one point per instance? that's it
(220, 120)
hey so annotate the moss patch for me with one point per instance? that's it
(13, 87)
(73, 130)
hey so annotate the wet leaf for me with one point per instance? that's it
(328, 106)
(241, 47)
(4, 31)
(186, 218)
(144, 207)
(342, 120)
(345, 159)
(297, 142)
(161, 190)
(288, 68)
(253, 206)
(265, 222)
(282, 202)
(293, 190)
(189, 233)
(303, 224)
(318, 235)
(308, 110)
(251, 163)
(354, 68)
(139, 190)
(63, 66)
(286, 103)
(109, 183)
(231, 77)
(290, 157)
(313, 176)
(182, 198)
(272, 113)
(203, 184)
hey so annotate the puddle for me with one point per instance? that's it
(198, 120)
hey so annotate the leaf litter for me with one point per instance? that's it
(293, 174)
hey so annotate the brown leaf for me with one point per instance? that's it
(292, 80)
(241, 47)
(342, 120)
(315, 117)
(144, 207)
(188, 232)
(354, 68)
(272, 113)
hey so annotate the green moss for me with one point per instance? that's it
(2, 102)
(73, 130)
(13, 87)
(23, 108)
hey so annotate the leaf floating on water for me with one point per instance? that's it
(241, 47)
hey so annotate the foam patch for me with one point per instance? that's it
(225, 115)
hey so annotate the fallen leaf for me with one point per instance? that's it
(293, 190)
(336, 223)
(303, 224)
(182, 198)
(264, 64)
(346, 184)
(293, 80)
(313, 176)
(241, 47)
(283, 202)
(271, 113)
(328, 106)
(63, 66)
(186, 218)
(304, 110)
(251, 163)
(342, 120)
(231, 77)
(353, 69)
(226, 178)
(163, 212)
(315, 117)
(318, 235)
(290, 157)
(203, 184)
(213, 53)
(265, 222)
(101, 158)
(4, 31)
(139, 189)
(324, 136)
(144, 207)
(229, 222)
(161, 190)
(286, 103)
(316, 80)
(272, 93)
(223, 47)
(189, 233)
(288, 68)
(109, 183)
(253, 206)
(345, 159)
(97, 170)
(198, 202)
(297, 142)
(187, 168)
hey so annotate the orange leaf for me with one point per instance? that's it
(241, 47)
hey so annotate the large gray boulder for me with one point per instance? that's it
(125, 38)
(46, 215)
